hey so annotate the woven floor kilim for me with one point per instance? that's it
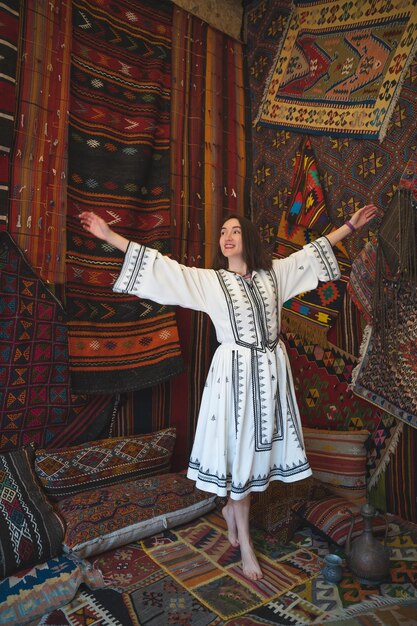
(191, 576)
(338, 70)
(36, 400)
(119, 163)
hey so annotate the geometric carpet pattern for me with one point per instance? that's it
(37, 404)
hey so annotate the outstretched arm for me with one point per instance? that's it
(95, 225)
(356, 222)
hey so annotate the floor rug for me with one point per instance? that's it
(119, 165)
(200, 558)
(191, 576)
(338, 71)
(36, 399)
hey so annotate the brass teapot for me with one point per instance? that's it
(368, 558)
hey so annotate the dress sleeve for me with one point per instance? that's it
(302, 270)
(148, 274)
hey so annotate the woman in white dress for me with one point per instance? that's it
(249, 428)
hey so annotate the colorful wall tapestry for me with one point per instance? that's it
(321, 378)
(36, 400)
(353, 172)
(38, 202)
(306, 205)
(208, 177)
(119, 163)
(312, 313)
(209, 136)
(340, 67)
(9, 19)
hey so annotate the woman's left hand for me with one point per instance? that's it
(363, 216)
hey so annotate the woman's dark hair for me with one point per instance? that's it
(255, 255)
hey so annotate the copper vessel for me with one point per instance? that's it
(368, 558)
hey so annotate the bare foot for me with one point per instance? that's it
(229, 515)
(250, 565)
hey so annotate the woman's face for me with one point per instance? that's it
(231, 242)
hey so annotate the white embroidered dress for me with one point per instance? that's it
(249, 427)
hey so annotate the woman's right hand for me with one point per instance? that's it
(95, 225)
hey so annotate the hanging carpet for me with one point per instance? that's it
(36, 401)
(340, 68)
(400, 477)
(387, 372)
(9, 19)
(208, 177)
(38, 203)
(306, 206)
(312, 313)
(119, 163)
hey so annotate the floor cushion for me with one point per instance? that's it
(66, 471)
(32, 593)
(272, 509)
(332, 517)
(338, 460)
(112, 516)
(30, 530)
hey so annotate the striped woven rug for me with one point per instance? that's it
(9, 18)
(119, 159)
(39, 167)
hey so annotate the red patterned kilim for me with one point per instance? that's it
(321, 378)
(36, 401)
(39, 167)
(119, 157)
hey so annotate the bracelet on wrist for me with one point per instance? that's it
(350, 225)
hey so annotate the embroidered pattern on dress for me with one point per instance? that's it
(255, 483)
(136, 258)
(325, 258)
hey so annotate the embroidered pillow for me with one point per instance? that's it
(338, 459)
(332, 518)
(30, 530)
(271, 509)
(67, 471)
(30, 594)
(113, 516)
